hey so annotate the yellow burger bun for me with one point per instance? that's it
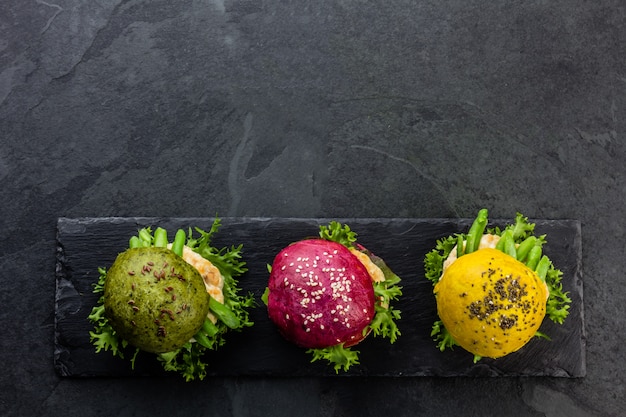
(490, 303)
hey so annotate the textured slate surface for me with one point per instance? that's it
(300, 108)
(84, 244)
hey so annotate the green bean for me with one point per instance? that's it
(146, 237)
(459, 246)
(476, 231)
(500, 244)
(202, 339)
(160, 237)
(542, 267)
(179, 242)
(509, 246)
(506, 244)
(209, 328)
(533, 257)
(524, 248)
(134, 242)
(224, 314)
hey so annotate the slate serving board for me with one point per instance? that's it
(84, 244)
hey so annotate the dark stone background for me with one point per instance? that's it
(346, 108)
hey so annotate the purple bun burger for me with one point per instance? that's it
(327, 294)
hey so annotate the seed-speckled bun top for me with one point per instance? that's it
(490, 303)
(154, 299)
(320, 294)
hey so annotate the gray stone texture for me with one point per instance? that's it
(344, 108)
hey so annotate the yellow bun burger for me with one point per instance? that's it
(490, 303)
(493, 289)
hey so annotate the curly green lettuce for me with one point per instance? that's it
(233, 315)
(517, 240)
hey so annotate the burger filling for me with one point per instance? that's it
(376, 274)
(213, 279)
(486, 241)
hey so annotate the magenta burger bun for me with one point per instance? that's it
(327, 294)
(320, 294)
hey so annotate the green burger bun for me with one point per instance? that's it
(154, 299)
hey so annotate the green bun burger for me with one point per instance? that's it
(154, 299)
(174, 300)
